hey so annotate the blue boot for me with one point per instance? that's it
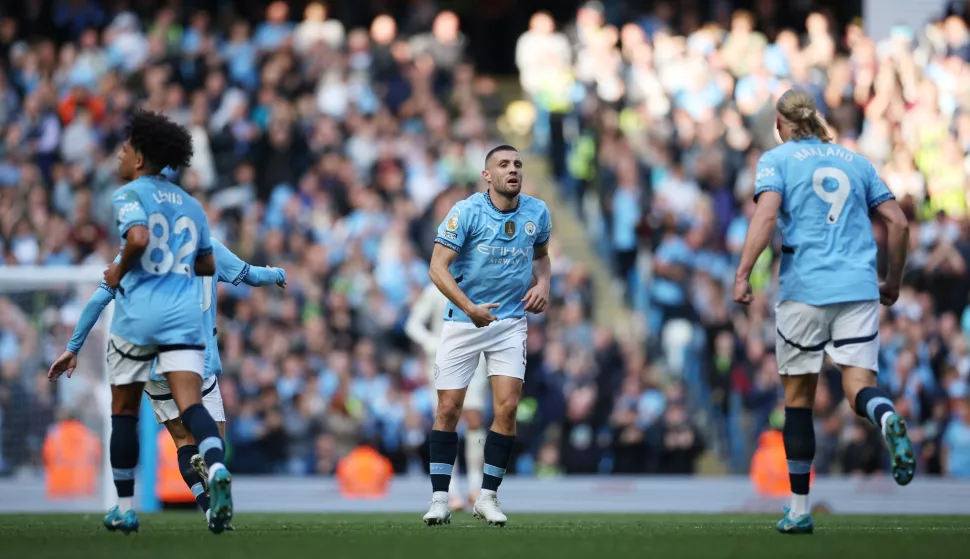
(801, 525)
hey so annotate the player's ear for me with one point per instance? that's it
(139, 160)
(487, 176)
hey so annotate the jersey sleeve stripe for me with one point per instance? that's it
(107, 288)
(882, 199)
(242, 273)
(764, 189)
(128, 226)
(448, 244)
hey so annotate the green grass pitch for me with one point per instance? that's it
(567, 536)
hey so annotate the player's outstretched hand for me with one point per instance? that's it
(112, 276)
(282, 275)
(481, 315)
(742, 291)
(537, 299)
(67, 362)
(888, 293)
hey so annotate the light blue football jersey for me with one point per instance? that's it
(495, 250)
(158, 299)
(229, 269)
(828, 250)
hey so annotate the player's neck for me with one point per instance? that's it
(145, 173)
(502, 203)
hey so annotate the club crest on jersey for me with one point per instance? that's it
(530, 228)
(510, 228)
(452, 222)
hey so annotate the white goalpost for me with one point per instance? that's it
(45, 302)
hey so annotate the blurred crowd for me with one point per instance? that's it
(335, 152)
(654, 127)
(332, 152)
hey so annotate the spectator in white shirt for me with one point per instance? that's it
(316, 28)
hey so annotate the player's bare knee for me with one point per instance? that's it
(854, 379)
(449, 411)
(800, 390)
(179, 432)
(505, 410)
(126, 399)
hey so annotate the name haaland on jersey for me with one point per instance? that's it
(495, 251)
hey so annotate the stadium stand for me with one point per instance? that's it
(334, 152)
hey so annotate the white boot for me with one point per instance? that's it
(439, 513)
(488, 508)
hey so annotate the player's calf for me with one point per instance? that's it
(191, 476)
(124, 443)
(124, 449)
(443, 450)
(874, 404)
(799, 438)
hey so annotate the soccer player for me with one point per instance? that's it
(424, 328)
(229, 269)
(821, 194)
(486, 253)
(165, 245)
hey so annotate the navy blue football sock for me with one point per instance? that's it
(205, 430)
(873, 403)
(498, 452)
(191, 478)
(124, 450)
(443, 450)
(799, 437)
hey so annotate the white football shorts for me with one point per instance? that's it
(847, 332)
(477, 394)
(163, 404)
(129, 363)
(502, 343)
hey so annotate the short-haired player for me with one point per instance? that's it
(486, 253)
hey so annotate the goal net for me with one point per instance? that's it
(53, 437)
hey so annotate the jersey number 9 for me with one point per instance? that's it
(835, 197)
(158, 237)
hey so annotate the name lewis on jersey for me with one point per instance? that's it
(170, 197)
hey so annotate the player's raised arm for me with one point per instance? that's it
(89, 317)
(537, 298)
(448, 243)
(768, 194)
(232, 269)
(887, 208)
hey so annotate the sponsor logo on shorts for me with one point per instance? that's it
(530, 228)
